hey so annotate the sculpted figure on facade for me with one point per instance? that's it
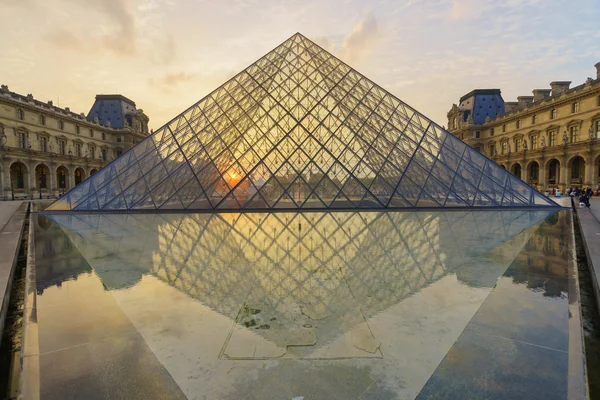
(565, 138)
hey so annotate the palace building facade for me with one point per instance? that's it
(550, 140)
(46, 150)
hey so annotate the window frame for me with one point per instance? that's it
(553, 113)
(575, 107)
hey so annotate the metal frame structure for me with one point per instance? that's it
(299, 129)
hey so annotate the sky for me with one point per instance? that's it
(168, 54)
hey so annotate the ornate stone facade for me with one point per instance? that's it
(46, 150)
(550, 140)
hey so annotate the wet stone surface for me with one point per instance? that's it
(352, 305)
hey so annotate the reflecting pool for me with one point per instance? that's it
(343, 305)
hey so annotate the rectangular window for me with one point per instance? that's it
(20, 114)
(77, 129)
(517, 145)
(503, 128)
(573, 134)
(553, 113)
(61, 125)
(478, 148)
(534, 119)
(492, 150)
(533, 142)
(504, 147)
(103, 136)
(42, 120)
(92, 152)
(598, 129)
(598, 101)
(118, 139)
(492, 132)
(119, 152)
(575, 108)
(552, 138)
(477, 134)
(78, 149)
(43, 144)
(61, 147)
(518, 123)
(91, 133)
(21, 140)
(103, 154)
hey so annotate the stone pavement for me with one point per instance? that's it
(7, 209)
(589, 222)
(12, 219)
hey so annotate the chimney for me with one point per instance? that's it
(509, 106)
(540, 94)
(597, 65)
(524, 100)
(559, 86)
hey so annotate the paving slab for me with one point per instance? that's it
(589, 222)
(10, 239)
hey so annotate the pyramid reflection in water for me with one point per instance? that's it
(300, 129)
(301, 281)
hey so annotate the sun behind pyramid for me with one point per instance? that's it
(300, 129)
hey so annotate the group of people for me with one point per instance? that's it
(584, 195)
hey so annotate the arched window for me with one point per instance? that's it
(61, 175)
(78, 176)
(18, 176)
(42, 172)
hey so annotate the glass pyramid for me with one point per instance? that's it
(300, 129)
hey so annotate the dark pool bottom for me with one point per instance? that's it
(442, 305)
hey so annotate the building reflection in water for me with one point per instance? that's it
(283, 273)
(545, 256)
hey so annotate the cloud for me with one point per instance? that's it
(467, 9)
(173, 79)
(171, 82)
(64, 39)
(361, 40)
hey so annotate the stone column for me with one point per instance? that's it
(524, 172)
(4, 179)
(53, 188)
(589, 169)
(31, 181)
(542, 182)
(563, 181)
